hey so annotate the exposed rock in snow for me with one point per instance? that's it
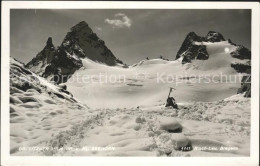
(242, 67)
(245, 86)
(55, 64)
(214, 37)
(26, 82)
(190, 51)
(43, 58)
(244, 54)
(194, 47)
(241, 52)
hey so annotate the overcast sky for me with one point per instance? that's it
(132, 35)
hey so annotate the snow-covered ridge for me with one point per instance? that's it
(34, 81)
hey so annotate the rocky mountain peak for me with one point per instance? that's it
(192, 36)
(49, 43)
(80, 42)
(190, 50)
(43, 58)
(80, 30)
(213, 36)
(193, 48)
(78, 27)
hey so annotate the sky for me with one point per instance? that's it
(131, 34)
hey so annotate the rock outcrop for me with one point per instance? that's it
(243, 53)
(245, 86)
(23, 81)
(55, 64)
(242, 67)
(190, 49)
(214, 37)
(43, 58)
(58, 64)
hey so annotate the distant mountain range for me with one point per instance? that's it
(81, 42)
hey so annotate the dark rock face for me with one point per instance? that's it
(242, 68)
(245, 86)
(241, 53)
(43, 58)
(82, 41)
(195, 52)
(54, 63)
(49, 43)
(190, 51)
(58, 64)
(188, 44)
(16, 73)
(214, 37)
(62, 66)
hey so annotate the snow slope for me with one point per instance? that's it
(157, 131)
(148, 81)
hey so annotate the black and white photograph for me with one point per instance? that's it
(119, 82)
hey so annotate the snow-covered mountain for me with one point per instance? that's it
(189, 50)
(83, 54)
(148, 81)
(238, 57)
(194, 48)
(63, 61)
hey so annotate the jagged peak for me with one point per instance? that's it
(80, 30)
(192, 34)
(214, 36)
(80, 42)
(78, 27)
(49, 43)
